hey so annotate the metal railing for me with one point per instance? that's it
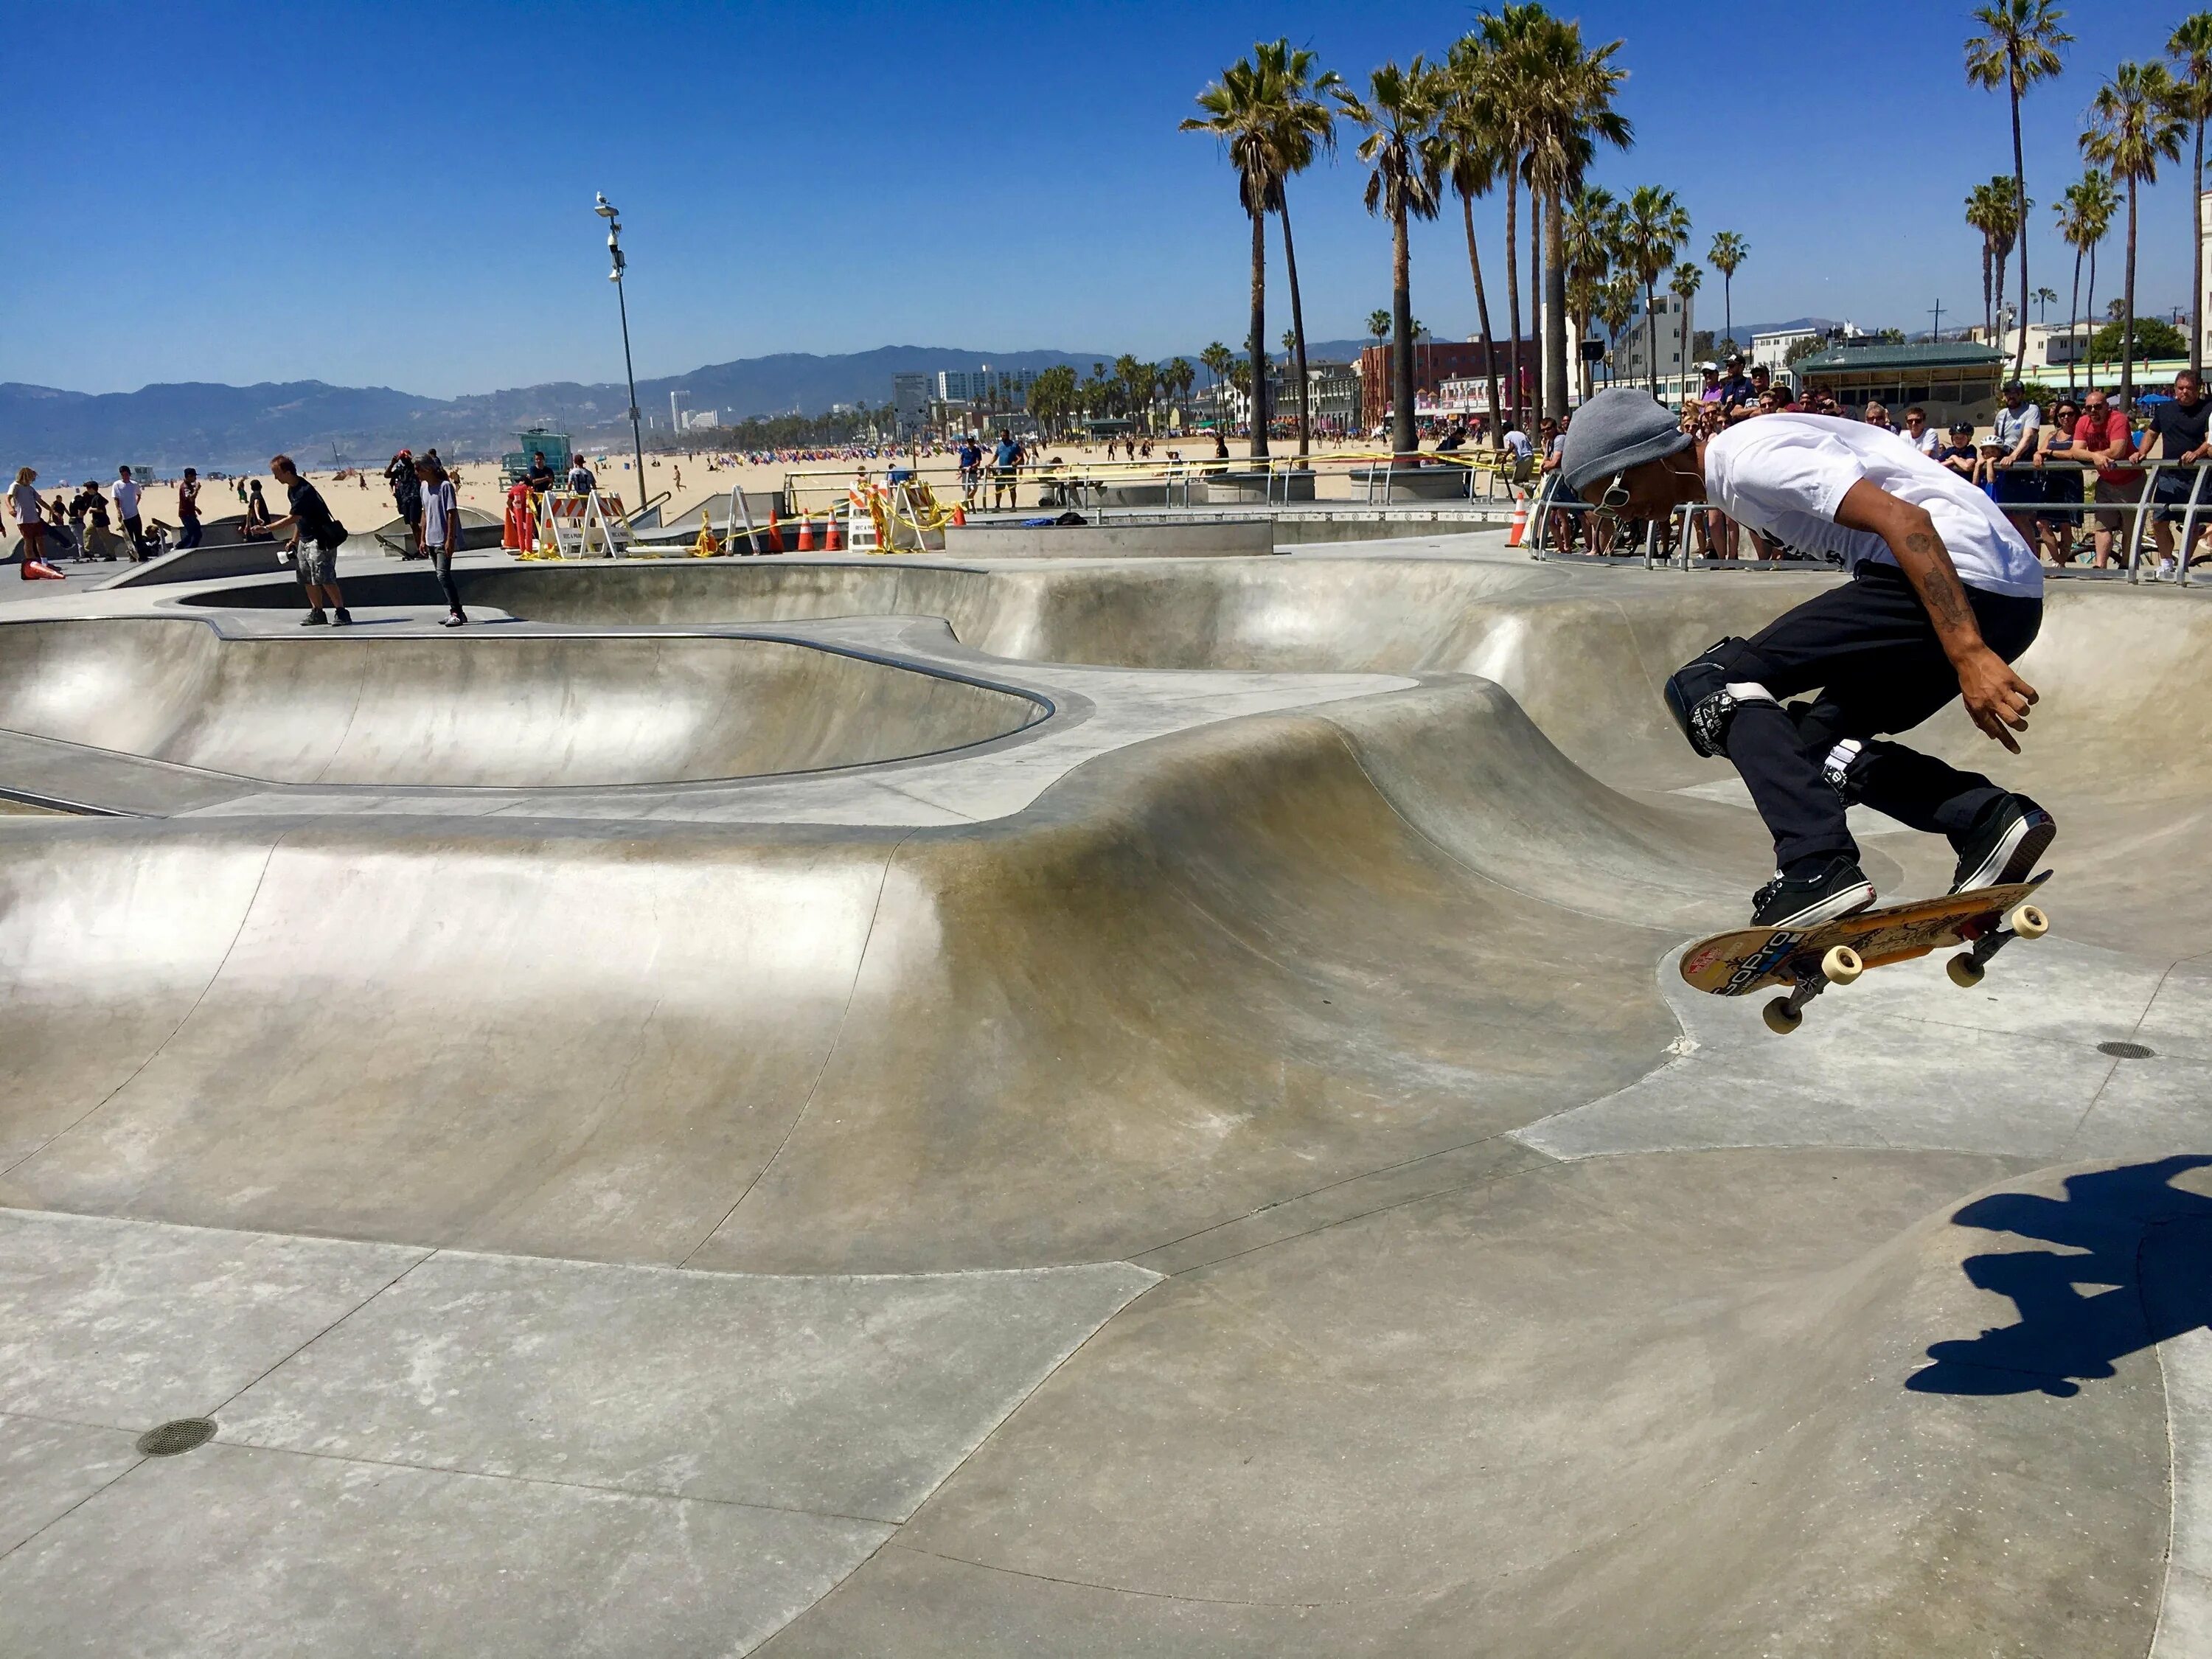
(1668, 542)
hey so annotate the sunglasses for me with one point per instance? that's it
(1616, 494)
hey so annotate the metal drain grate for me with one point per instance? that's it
(178, 1435)
(2126, 1050)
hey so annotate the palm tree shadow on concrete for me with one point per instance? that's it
(2145, 1275)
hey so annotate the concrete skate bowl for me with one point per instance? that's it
(1282, 1007)
(2122, 741)
(480, 709)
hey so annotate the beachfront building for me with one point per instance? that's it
(1954, 380)
(910, 400)
(1331, 395)
(1436, 361)
(1677, 320)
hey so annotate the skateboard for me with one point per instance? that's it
(1810, 959)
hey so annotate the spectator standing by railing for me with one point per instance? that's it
(2178, 433)
(2101, 437)
(2018, 426)
(2058, 477)
(1921, 435)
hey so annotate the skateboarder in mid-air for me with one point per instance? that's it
(1943, 596)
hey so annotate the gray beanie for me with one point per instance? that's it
(1619, 428)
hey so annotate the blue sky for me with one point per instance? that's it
(401, 195)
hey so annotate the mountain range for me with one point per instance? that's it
(221, 428)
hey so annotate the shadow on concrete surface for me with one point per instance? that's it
(2136, 1270)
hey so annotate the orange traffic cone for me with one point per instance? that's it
(805, 534)
(775, 532)
(959, 513)
(1513, 536)
(833, 540)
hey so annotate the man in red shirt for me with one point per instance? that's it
(2101, 436)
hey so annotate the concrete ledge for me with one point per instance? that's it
(1446, 483)
(1256, 488)
(1221, 538)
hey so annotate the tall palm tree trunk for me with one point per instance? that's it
(2074, 324)
(1513, 280)
(1683, 330)
(2128, 312)
(1728, 305)
(1481, 313)
(1297, 334)
(1555, 306)
(2196, 248)
(1536, 369)
(2020, 201)
(1257, 342)
(2089, 304)
(1989, 325)
(1404, 436)
(1651, 334)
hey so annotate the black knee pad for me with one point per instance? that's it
(1705, 694)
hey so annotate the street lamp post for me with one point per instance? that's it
(608, 211)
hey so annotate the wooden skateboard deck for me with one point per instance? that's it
(1748, 959)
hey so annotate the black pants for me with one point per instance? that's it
(135, 529)
(442, 563)
(1869, 649)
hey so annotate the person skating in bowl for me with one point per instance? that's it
(1944, 595)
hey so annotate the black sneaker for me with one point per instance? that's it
(2013, 835)
(1835, 889)
(314, 619)
(344, 618)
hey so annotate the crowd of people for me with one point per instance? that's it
(2073, 480)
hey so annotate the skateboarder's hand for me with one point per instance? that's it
(1997, 698)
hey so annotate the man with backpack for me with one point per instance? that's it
(407, 498)
(316, 536)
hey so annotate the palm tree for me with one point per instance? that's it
(2004, 235)
(1682, 285)
(1728, 251)
(1378, 325)
(2044, 298)
(2018, 46)
(1503, 66)
(1180, 375)
(1982, 213)
(2190, 48)
(1569, 112)
(2134, 120)
(1592, 229)
(1474, 152)
(2085, 216)
(1405, 180)
(1304, 126)
(1241, 113)
(1654, 227)
(1616, 304)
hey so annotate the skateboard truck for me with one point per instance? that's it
(2023, 921)
(1840, 966)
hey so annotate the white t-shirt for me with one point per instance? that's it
(2013, 425)
(1516, 441)
(25, 498)
(1927, 443)
(438, 507)
(1785, 475)
(125, 494)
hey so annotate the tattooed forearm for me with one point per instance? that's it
(1938, 583)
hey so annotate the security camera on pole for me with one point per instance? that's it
(608, 211)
